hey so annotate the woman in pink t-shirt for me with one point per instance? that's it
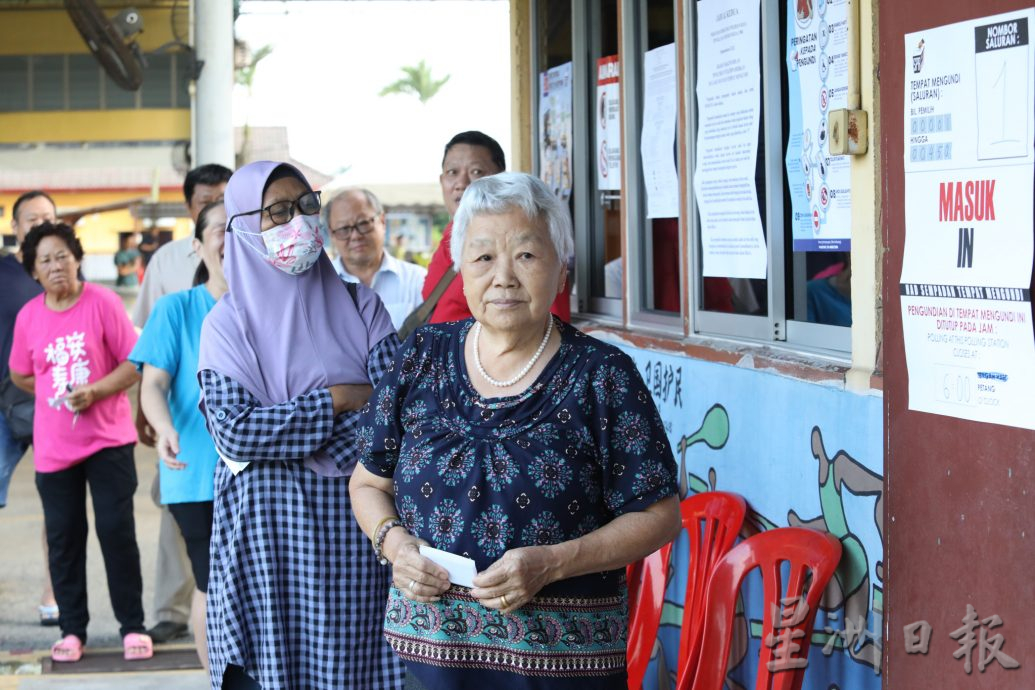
(70, 349)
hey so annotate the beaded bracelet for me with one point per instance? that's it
(373, 535)
(379, 537)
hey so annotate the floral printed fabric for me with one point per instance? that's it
(550, 637)
(478, 476)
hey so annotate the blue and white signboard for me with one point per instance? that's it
(817, 80)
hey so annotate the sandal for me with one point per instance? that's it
(137, 647)
(49, 614)
(67, 649)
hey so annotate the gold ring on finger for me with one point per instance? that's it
(503, 600)
(412, 585)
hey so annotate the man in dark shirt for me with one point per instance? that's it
(31, 209)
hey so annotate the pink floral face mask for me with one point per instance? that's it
(292, 247)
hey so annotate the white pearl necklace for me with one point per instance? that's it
(521, 374)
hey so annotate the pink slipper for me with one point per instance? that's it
(67, 649)
(137, 647)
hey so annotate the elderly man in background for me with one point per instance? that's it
(356, 221)
(171, 269)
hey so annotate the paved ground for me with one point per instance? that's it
(22, 640)
(162, 680)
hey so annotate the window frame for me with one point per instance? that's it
(175, 91)
(636, 227)
(774, 329)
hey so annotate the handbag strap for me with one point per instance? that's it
(419, 316)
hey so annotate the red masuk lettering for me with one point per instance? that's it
(970, 200)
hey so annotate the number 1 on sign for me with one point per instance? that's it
(1001, 85)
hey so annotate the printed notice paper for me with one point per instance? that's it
(966, 265)
(817, 82)
(728, 103)
(658, 137)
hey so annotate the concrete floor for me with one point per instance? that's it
(160, 680)
(23, 641)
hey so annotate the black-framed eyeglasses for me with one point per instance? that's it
(282, 211)
(362, 227)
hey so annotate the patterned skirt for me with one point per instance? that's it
(295, 594)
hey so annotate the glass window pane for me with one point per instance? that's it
(820, 289)
(14, 83)
(158, 88)
(605, 239)
(554, 20)
(48, 82)
(181, 65)
(84, 83)
(117, 98)
(659, 249)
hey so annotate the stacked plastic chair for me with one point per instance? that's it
(713, 520)
(811, 557)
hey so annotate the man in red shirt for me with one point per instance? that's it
(468, 156)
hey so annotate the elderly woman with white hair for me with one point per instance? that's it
(520, 443)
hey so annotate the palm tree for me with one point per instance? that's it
(418, 81)
(244, 75)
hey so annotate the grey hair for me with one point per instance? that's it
(375, 203)
(510, 191)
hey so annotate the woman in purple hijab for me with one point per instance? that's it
(288, 355)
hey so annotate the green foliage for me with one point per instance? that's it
(246, 74)
(418, 82)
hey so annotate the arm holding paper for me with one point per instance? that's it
(415, 575)
(520, 573)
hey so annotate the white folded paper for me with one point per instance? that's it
(461, 570)
(235, 467)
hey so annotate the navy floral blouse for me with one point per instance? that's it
(477, 476)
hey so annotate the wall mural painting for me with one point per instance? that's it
(801, 454)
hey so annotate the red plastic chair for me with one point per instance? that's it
(647, 580)
(713, 520)
(809, 553)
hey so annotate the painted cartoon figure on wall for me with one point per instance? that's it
(713, 432)
(850, 586)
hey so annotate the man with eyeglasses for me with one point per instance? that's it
(356, 220)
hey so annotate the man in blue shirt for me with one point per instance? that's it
(31, 209)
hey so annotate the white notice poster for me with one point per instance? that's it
(728, 103)
(817, 82)
(609, 133)
(658, 138)
(966, 265)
